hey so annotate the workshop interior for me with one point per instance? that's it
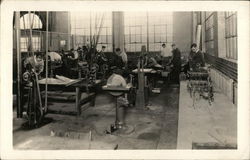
(119, 80)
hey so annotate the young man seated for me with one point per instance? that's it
(122, 55)
(150, 62)
(118, 61)
(35, 63)
(101, 57)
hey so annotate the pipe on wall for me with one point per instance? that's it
(19, 66)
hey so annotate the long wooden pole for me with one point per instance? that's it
(100, 28)
(33, 55)
(113, 31)
(46, 60)
(69, 31)
(95, 31)
(19, 67)
(147, 33)
(90, 27)
(30, 38)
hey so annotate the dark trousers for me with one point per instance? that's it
(186, 68)
(175, 74)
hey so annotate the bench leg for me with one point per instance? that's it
(78, 106)
(92, 101)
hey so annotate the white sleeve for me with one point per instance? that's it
(58, 57)
(125, 57)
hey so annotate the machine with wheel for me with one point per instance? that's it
(200, 85)
(35, 110)
(117, 87)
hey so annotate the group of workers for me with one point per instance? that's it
(173, 59)
(119, 59)
(195, 60)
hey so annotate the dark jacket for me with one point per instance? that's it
(176, 60)
(116, 61)
(196, 59)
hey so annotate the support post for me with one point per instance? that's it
(78, 99)
(140, 96)
(47, 46)
(19, 66)
(198, 35)
(118, 30)
(119, 122)
(194, 24)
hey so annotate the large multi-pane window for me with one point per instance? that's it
(231, 34)
(209, 31)
(160, 30)
(135, 30)
(153, 27)
(36, 43)
(28, 21)
(140, 28)
(92, 27)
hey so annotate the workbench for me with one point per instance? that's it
(145, 70)
(152, 74)
(83, 93)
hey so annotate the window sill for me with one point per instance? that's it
(230, 59)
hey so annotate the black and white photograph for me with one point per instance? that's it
(126, 80)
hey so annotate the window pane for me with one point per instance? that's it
(231, 34)
(209, 32)
(83, 23)
(138, 38)
(27, 20)
(157, 28)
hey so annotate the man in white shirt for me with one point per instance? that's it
(165, 53)
(54, 56)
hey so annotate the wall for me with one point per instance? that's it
(224, 73)
(59, 23)
(182, 30)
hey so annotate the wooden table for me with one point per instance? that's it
(146, 70)
(78, 84)
(82, 83)
(116, 89)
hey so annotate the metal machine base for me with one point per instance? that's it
(120, 129)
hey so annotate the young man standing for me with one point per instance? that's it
(196, 58)
(165, 53)
(176, 63)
